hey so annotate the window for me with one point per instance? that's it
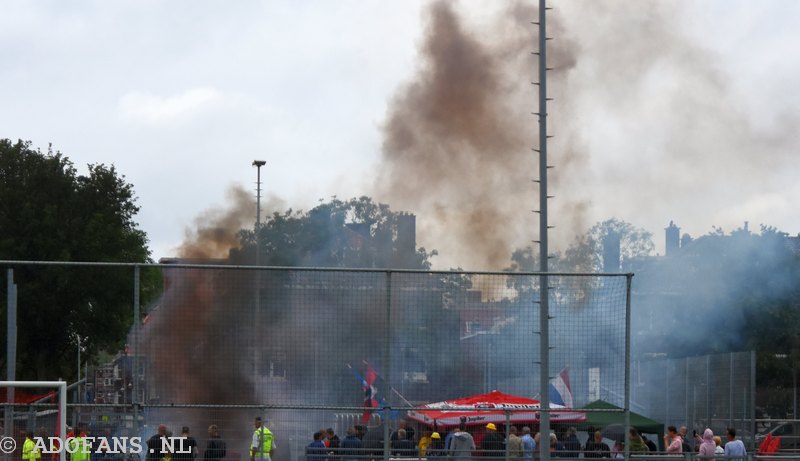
(473, 326)
(277, 366)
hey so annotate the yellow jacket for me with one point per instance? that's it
(29, 450)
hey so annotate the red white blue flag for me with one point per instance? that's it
(369, 384)
(560, 391)
(370, 393)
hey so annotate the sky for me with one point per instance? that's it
(683, 111)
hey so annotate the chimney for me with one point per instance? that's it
(673, 242)
(611, 252)
(406, 234)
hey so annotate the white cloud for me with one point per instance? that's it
(148, 108)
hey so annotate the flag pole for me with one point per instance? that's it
(390, 386)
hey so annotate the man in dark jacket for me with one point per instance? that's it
(402, 446)
(333, 447)
(350, 448)
(315, 451)
(156, 444)
(215, 446)
(492, 444)
(596, 448)
(435, 449)
(572, 446)
(187, 447)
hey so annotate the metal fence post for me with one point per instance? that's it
(508, 427)
(730, 391)
(753, 395)
(11, 353)
(387, 357)
(627, 397)
(708, 391)
(667, 388)
(136, 351)
(686, 390)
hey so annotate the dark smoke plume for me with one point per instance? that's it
(458, 137)
(215, 232)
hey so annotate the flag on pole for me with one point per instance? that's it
(560, 391)
(370, 387)
(370, 393)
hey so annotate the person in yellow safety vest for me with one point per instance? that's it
(263, 444)
(37, 454)
(29, 450)
(78, 449)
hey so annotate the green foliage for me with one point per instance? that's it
(353, 233)
(586, 252)
(454, 286)
(48, 212)
(523, 260)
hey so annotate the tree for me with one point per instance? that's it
(585, 254)
(353, 233)
(49, 212)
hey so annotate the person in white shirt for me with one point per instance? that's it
(734, 449)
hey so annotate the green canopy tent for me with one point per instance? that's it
(605, 414)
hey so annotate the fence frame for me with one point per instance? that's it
(62, 405)
(544, 373)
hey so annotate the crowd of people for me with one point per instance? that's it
(165, 446)
(519, 444)
(458, 444)
(707, 446)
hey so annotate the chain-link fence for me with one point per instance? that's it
(365, 351)
(712, 391)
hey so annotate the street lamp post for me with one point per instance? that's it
(257, 305)
(77, 380)
(76, 416)
(258, 164)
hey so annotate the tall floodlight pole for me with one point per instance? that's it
(544, 311)
(258, 164)
(257, 306)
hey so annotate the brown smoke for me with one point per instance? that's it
(214, 232)
(458, 137)
(646, 128)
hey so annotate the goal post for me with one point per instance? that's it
(62, 405)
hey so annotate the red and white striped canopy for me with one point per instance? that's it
(490, 408)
